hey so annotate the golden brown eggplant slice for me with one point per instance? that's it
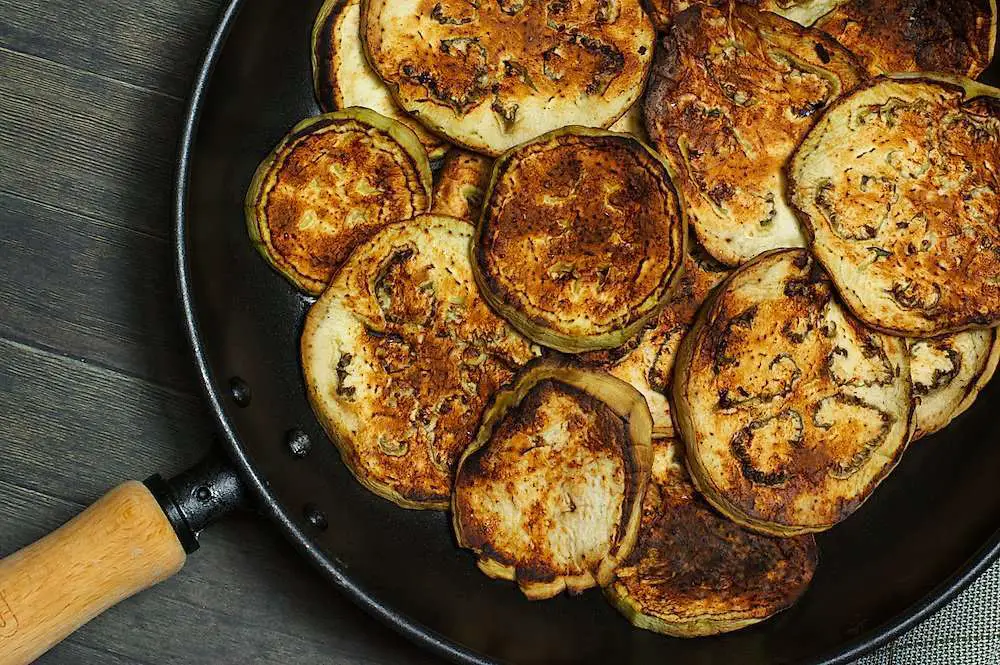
(316, 196)
(400, 355)
(342, 77)
(951, 36)
(550, 492)
(581, 239)
(460, 184)
(791, 410)
(647, 360)
(491, 75)
(897, 187)
(948, 373)
(693, 572)
(731, 93)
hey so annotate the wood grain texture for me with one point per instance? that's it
(92, 290)
(120, 545)
(87, 144)
(154, 44)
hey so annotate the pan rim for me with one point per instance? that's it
(269, 505)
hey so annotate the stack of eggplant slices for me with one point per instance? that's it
(645, 295)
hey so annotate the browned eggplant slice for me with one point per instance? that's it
(731, 93)
(693, 572)
(550, 492)
(897, 187)
(581, 239)
(317, 195)
(792, 412)
(491, 75)
(400, 355)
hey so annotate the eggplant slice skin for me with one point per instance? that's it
(549, 494)
(460, 184)
(647, 360)
(948, 373)
(400, 356)
(581, 240)
(492, 74)
(897, 188)
(342, 77)
(314, 198)
(693, 572)
(791, 410)
(731, 93)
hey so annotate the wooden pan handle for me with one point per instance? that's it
(120, 545)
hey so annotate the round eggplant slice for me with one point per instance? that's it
(491, 75)
(897, 186)
(550, 492)
(317, 195)
(342, 77)
(461, 184)
(400, 356)
(731, 93)
(792, 411)
(647, 360)
(693, 572)
(948, 373)
(581, 239)
(951, 36)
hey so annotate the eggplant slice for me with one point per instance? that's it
(342, 77)
(731, 93)
(791, 410)
(400, 356)
(948, 373)
(315, 197)
(581, 239)
(492, 74)
(550, 492)
(647, 360)
(461, 183)
(951, 36)
(693, 572)
(897, 185)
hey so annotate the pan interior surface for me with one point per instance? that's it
(930, 526)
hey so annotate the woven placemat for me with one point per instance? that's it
(965, 632)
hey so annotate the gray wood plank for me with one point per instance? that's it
(86, 144)
(91, 290)
(154, 44)
(71, 430)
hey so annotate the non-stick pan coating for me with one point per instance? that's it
(930, 527)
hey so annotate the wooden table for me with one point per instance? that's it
(96, 385)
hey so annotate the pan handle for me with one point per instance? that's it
(133, 537)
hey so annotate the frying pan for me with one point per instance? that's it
(931, 528)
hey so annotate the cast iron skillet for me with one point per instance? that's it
(930, 529)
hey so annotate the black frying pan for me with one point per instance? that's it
(928, 532)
